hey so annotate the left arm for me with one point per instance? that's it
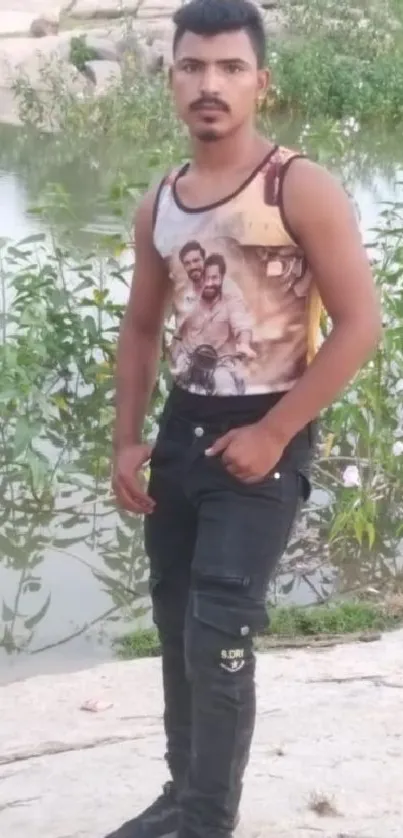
(323, 220)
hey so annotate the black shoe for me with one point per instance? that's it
(158, 821)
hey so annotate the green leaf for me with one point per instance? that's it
(371, 534)
(6, 613)
(34, 239)
(38, 469)
(23, 435)
(33, 621)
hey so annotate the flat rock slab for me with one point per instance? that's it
(15, 22)
(92, 9)
(36, 8)
(29, 56)
(105, 74)
(157, 9)
(330, 725)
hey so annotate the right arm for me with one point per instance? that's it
(138, 354)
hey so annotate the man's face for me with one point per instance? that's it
(216, 83)
(212, 283)
(193, 263)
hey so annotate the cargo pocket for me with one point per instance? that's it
(221, 628)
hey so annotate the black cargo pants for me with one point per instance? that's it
(213, 543)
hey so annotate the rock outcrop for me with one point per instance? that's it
(38, 34)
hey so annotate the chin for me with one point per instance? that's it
(208, 135)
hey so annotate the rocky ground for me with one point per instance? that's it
(34, 33)
(326, 762)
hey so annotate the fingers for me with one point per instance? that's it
(131, 496)
(238, 469)
(220, 444)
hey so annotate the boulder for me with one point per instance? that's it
(155, 9)
(150, 52)
(15, 22)
(133, 48)
(103, 48)
(42, 26)
(104, 74)
(22, 57)
(104, 9)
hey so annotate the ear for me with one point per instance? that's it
(263, 84)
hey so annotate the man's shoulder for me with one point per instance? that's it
(231, 288)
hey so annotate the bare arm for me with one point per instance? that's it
(324, 222)
(140, 335)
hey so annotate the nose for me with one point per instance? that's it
(210, 82)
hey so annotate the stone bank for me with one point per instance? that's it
(326, 761)
(37, 33)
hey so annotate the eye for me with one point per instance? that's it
(233, 68)
(189, 67)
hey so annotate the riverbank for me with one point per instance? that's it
(296, 626)
(326, 760)
(87, 44)
(327, 58)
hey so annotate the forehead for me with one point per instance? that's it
(210, 49)
(193, 254)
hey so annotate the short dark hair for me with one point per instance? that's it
(212, 17)
(216, 259)
(188, 247)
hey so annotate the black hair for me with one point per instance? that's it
(188, 247)
(216, 259)
(212, 17)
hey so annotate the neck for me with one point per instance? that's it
(241, 148)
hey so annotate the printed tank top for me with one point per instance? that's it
(246, 312)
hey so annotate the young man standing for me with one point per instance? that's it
(228, 472)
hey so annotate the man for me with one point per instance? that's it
(192, 257)
(220, 325)
(228, 472)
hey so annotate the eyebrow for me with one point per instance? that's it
(222, 62)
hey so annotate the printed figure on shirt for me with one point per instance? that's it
(213, 341)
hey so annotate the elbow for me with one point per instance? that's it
(363, 330)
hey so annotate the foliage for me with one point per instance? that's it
(366, 426)
(340, 61)
(291, 624)
(81, 52)
(61, 307)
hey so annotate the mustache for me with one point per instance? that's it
(209, 101)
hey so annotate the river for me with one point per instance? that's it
(71, 584)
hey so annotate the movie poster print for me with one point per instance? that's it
(241, 315)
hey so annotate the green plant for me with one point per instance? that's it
(340, 61)
(81, 52)
(296, 622)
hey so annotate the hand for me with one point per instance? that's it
(244, 350)
(126, 481)
(249, 453)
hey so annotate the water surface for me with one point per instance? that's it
(71, 582)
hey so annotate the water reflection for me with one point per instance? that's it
(72, 579)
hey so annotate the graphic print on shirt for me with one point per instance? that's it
(242, 292)
(213, 338)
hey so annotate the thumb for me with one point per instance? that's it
(220, 444)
